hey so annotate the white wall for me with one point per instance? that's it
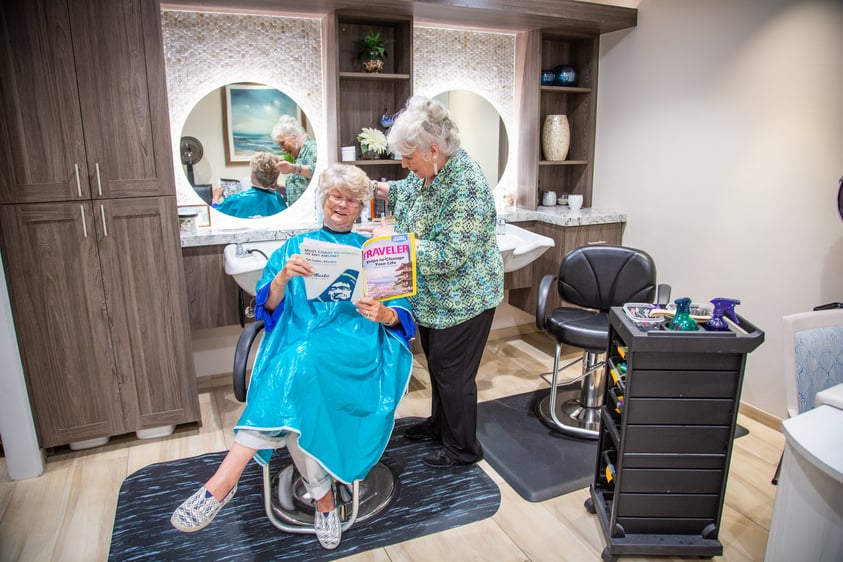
(720, 133)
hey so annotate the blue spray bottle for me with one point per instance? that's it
(682, 320)
(722, 306)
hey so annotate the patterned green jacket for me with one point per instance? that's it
(460, 270)
(297, 184)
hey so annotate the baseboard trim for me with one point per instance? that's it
(761, 416)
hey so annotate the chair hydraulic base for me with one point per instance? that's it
(574, 408)
(291, 509)
(573, 418)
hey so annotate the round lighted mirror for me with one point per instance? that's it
(482, 131)
(222, 133)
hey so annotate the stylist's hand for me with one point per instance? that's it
(285, 167)
(374, 310)
(378, 228)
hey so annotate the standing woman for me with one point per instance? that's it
(294, 140)
(448, 204)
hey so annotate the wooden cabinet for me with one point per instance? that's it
(89, 224)
(665, 441)
(84, 101)
(566, 239)
(362, 97)
(212, 295)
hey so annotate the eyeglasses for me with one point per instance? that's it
(336, 198)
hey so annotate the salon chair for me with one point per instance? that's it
(286, 501)
(593, 279)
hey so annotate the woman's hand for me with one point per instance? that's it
(376, 311)
(285, 167)
(375, 229)
(296, 266)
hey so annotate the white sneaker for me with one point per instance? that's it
(328, 529)
(197, 511)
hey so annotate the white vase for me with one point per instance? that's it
(556, 137)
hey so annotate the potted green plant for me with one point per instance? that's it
(373, 51)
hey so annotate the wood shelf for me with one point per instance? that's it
(565, 90)
(563, 162)
(373, 76)
(384, 162)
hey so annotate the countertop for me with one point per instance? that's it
(559, 215)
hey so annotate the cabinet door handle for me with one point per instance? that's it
(99, 180)
(78, 182)
(596, 242)
(104, 227)
(84, 223)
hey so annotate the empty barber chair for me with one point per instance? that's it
(286, 501)
(593, 279)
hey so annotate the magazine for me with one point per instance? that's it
(384, 268)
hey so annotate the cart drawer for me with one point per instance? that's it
(691, 384)
(685, 361)
(657, 481)
(675, 439)
(687, 411)
(671, 526)
(672, 460)
(668, 505)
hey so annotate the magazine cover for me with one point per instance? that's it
(336, 271)
(384, 268)
(389, 266)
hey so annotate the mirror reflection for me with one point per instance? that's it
(482, 131)
(230, 125)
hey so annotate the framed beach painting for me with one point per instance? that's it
(249, 113)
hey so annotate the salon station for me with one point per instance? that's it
(608, 431)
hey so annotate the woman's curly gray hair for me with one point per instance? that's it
(287, 126)
(262, 166)
(422, 123)
(349, 180)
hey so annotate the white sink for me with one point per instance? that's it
(245, 261)
(520, 247)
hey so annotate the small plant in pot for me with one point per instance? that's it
(372, 51)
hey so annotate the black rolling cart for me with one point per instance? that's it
(665, 439)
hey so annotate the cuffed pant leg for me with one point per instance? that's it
(316, 479)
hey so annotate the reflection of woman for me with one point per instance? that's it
(335, 417)
(292, 138)
(446, 201)
(261, 200)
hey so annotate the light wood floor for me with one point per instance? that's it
(68, 512)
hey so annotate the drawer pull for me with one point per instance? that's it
(78, 182)
(99, 180)
(104, 227)
(596, 242)
(84, 223)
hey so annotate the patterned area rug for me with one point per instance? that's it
(429, 500)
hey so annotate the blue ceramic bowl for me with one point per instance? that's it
(548, 77)
(566, 75)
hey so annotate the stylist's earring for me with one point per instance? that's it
(435, 166)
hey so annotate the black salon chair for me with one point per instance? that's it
(286, 501)
(593, 279)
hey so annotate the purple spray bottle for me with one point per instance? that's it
(722, 306)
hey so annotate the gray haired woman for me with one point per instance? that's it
(448, 204)
(294, 140)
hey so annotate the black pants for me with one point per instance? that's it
(453, 358)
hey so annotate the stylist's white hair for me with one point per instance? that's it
(423, 122)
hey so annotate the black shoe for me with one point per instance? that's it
(439, 459)
(418, 432)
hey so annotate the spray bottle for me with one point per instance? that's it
(682, 320)
(717, 323)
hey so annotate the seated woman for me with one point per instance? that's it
(334, 414)
(261, 200)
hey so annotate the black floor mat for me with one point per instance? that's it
(538, 462)
(429, 500)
